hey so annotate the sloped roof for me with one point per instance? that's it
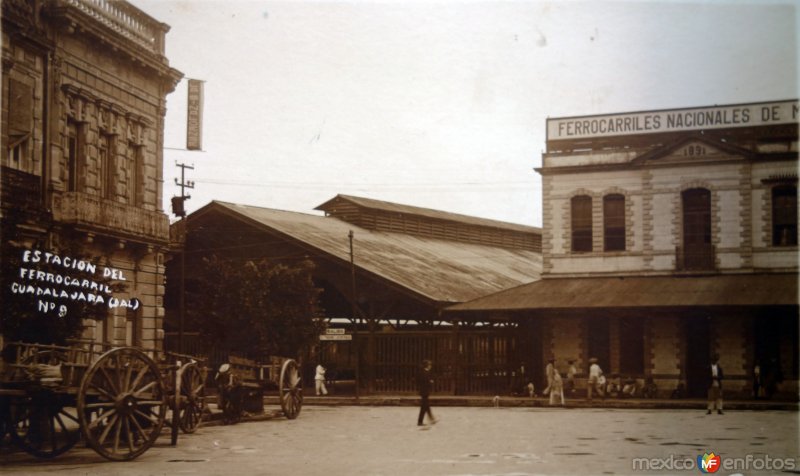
(438, 270)
(428, 213)
(638, 291)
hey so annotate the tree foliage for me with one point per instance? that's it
(256, 308)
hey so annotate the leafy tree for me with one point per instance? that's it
(256, 308)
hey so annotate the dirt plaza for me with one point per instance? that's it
(375, 441)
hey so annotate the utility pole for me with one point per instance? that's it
(354, 311)
(179, 210)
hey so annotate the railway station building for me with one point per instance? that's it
(668, 236)
(84, 87)
(408, 264)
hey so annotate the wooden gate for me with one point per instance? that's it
(469, 362)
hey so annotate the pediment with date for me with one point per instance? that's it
(695, 150)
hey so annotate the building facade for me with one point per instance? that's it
(669, 236)
(84, 100)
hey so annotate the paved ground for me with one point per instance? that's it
(376, 441)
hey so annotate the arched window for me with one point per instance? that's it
(581, 223)
(784, 215)
(614, 222)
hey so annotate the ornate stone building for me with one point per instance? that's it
(84, 99)
(668, 236)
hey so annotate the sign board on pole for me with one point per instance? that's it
(336, 337)
(194, 115)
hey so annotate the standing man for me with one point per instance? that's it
(319, 380)
(715, 385)
(571, 377)
(595, 372)
(425, 384)
(549, 372)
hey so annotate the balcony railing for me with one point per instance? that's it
(110, 217)
(126, 20)
(700, 257)
(20, 190)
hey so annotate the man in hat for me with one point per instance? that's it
(595, 372)
(549, 372)
(425, 385)
(715, 385)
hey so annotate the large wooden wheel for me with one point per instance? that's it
(291, 390)
(122, 404)
(43, 423)
(192, 398)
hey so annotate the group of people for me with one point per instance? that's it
(558, 386)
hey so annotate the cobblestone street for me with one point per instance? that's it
(466, 441)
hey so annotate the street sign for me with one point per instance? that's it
(336, 337)
(334, 331)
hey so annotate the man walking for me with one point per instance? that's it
(425, 384)
(319, 380)
(715, 386)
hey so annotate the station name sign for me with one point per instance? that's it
(194, 115)
(651, 122)
(335, 334)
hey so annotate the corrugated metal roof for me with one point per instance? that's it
(631, 292)
(429, 213)
(442, 271)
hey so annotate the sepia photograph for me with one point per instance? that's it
(399, 238)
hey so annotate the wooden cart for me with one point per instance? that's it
(117, 400)
(254, 379)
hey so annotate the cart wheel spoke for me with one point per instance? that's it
(139, 428)
(107, 429)
(101, 390)
(68, 415)
(117, 431)
(139, 377)
(112, 385)
(145, 388)
(126, 379)
(151, 418)
(100, 405)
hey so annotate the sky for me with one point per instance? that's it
(442, 104)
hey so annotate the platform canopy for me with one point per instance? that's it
(641, 292)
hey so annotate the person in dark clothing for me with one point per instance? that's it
(715, 377)
(757, 380)
(425, 384)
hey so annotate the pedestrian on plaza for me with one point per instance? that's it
(425, 385)
(595, 372)
(557, 389)
(571, 372)
(629, 387)
(715, 377)
(756, 380)
(319, 380)
(549, 371)
(614, 386)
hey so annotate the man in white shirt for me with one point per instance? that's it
(715, 386)
(594, 378)
(319, 380)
